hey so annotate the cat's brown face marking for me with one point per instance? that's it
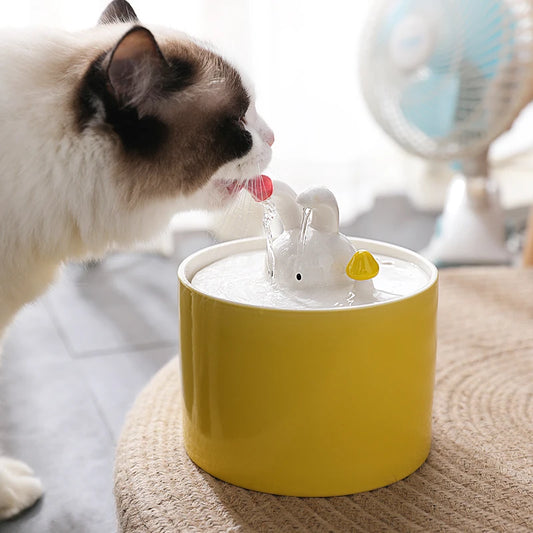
(207, 117)
(174, 109)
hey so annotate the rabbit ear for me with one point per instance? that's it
(285, 201)
(325, 209)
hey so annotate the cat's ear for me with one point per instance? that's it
(136, 67)
(118, 11)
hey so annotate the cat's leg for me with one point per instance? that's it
(19, 488)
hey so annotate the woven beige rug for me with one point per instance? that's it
(478, 476)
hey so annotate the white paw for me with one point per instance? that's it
(19, 488)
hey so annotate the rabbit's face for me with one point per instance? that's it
(320, 262)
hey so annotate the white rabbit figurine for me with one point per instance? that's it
(317, 256)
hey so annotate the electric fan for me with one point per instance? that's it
(444, 78)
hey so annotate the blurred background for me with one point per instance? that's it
(303, 57)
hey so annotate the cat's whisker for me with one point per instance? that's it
(237, 219)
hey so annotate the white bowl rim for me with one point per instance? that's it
(206, 256)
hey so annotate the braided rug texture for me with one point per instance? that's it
(479, 474)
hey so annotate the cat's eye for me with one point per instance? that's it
(298, 276)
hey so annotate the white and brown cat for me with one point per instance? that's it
(104, 135)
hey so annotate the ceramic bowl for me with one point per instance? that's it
(307, 402)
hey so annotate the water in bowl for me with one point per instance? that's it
(241, 278)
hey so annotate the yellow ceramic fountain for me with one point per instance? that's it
(309, 402)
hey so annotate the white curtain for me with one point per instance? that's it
(302, 57)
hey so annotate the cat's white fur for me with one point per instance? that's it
(58, 200)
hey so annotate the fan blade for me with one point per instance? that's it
(489, 30)
(430, 104)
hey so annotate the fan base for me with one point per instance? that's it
(472, 226)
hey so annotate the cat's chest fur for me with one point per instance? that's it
(57, 198)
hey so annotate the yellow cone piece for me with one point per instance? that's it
(362, 266)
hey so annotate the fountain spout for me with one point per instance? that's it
(325, 208)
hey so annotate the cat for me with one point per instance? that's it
(104, 135)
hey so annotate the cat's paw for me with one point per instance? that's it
(19, 488)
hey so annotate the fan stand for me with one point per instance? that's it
(472, 226)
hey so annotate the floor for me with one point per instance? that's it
(73, 363)
(75, 360)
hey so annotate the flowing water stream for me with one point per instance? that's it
(269, 214)
(303, 231)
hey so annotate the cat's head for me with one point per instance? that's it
(180, 117)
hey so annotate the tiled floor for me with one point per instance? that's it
(75, 360)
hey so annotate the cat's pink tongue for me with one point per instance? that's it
(260, 188)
